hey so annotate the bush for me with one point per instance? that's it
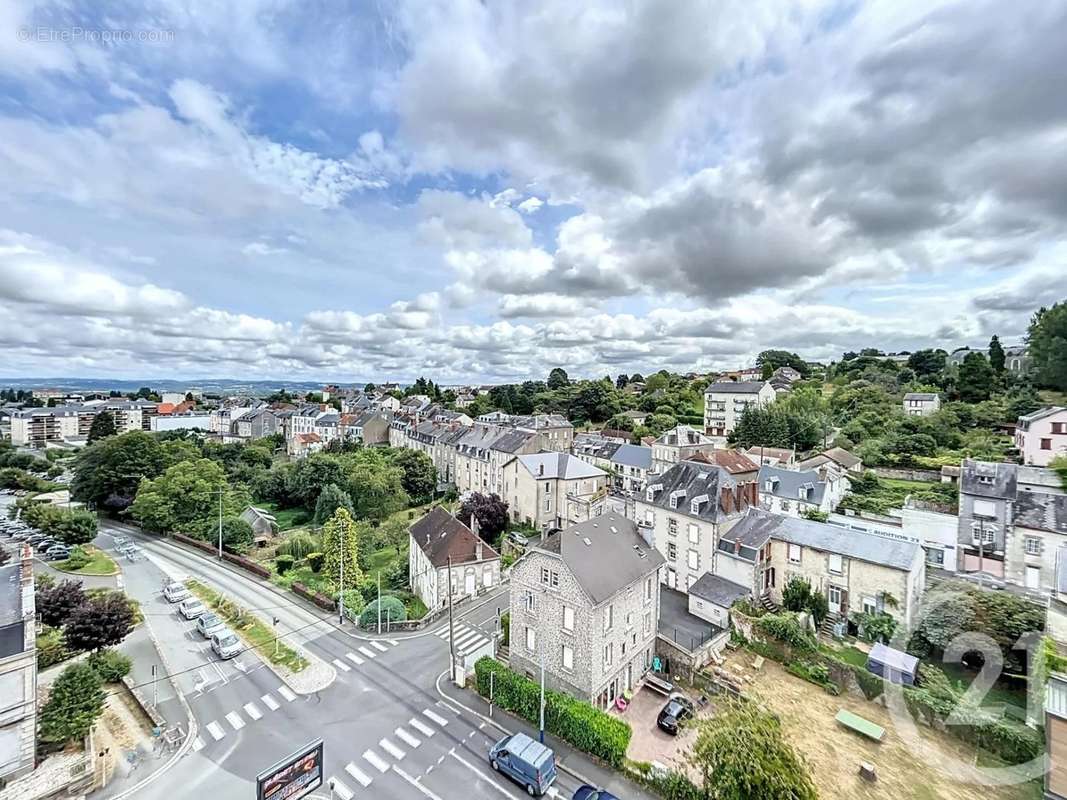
(392, 611)
(668, 784)
(299, 545)
(314, 560)
(786, 629)
(51, 648)
(283, 564)
(589, 729)
(77, 559)
(505, 628)
(354, 604)
(111, 665)
(75, 703)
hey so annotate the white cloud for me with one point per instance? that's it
(262, 249)
(530, 205)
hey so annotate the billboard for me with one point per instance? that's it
(293, 777)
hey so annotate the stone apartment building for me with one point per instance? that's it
(921, 404)
(678, 444)
(684, 511)
(797, 492)
(18, 668)
(593, 627)
(484, 450)
(433, 541)
(553, 490)
(726, 401)
(37, 427)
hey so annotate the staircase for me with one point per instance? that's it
(827, 627)
(768, 605)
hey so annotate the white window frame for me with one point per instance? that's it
(870, 605)
(545, 575)
(609, 653)
(692, 559)
(568, 613)
(531, 639)
(609, 618)
(693, 531)
(838, 560)
(553, 579)
(566, 658)
(794, 552)
(1033, 545)
(831, 590)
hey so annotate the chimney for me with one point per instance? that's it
(478, 549)
(540, 469)
(474, 526)
(739, 496)
(26, 567)
(726, 499)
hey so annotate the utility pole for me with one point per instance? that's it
(981, 552)
(451, 628)
(379, 602)
(341, 594)
(220, 524)
(541, 651)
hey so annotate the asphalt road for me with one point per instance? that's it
(387, 732)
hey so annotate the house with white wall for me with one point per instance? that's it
(921, 404)
(438, 543)
(726, 401)
(1042, 435)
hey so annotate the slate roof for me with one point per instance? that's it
(633, 414)
(610, 539)
(735, 387)
(512, 441)
(594, 445)
(759, 525)
(616, 433)
(788, 482)
(780, 453)
(11, 592)
(988, 479)
(632, 455)
(559, 465)
(1041, 512)
(1041, 413)
(696, 480)
(920, 396)
(440, 535)
(718, 590)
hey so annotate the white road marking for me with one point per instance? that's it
(393, 642)
(341, 665)
(421, 727)
(379, 646)
(270, 702)
(447, 707)
(443, 633)
(198, 744)
(354, 658)
(253, 711)
(375, 761)
(415, 783)
(391, 748)
(215, 730)
(363, 778)
(479, 773)
(235, 720)
(435, 717)
(407, 737)
(367, 652)
(342, 791)
(287, 693)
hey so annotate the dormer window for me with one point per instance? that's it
(677, 496)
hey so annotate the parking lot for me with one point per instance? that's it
(651, 744)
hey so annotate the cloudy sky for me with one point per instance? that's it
(484, 190)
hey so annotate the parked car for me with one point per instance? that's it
(46, 543)
(21, 536)
(209, 623)
(226, 644)
(192, 608)
(120, 541)
(588, 792)
(57, 552)
(528, 763)
(176, 592)
(677, 710)
(33, 539)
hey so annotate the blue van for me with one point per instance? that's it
(525, 761)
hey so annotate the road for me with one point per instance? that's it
(387, 731)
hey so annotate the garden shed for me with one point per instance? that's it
(895, 666)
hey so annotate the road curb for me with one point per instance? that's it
(448, 698)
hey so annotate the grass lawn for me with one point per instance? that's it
(1005, 691)
(288, 518)
(250, 628)
(301, 574)
(910, 486)
(99, 564)
(852, 655)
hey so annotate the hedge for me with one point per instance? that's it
(318, 598)
(589, 729)
(247, 564)
(669, 784)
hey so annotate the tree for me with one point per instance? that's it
(340, 546)
(237, 535)
(557, 378)
(74, 527)
(186, 496)
(101, 621)
(782, 358)
(312, 475)
(996, 355)
(926, 363)
(595, 401)
(392, 611)
(799, 596)
(377, 490)
(330, 499)
(490, 511)
(1047, 344)
(107, 473)
(102, 427)
(741, 754)
(419, 475)
(975, 378)
(55, 603)
(75, 703)
(622, 380)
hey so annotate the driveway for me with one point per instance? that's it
(649, 743)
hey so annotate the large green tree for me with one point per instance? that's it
(557, 378)
(312, 475)
(340, 545)
(185, 498)
(782, 358)
(741, 754)
(419, 477)
(330, 499)
(107, 473)
(975, 382)
(1047, 344)
(377, 490)
(74, 704)
(102, 427)
(996, 355)
(927, 363)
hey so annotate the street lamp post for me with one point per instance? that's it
(341, 594)
(541, 651)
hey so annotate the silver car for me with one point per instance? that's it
(192, 608)
(226, 644)
(209, 623)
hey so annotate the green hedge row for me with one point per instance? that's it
(589, 729)
(668, 784)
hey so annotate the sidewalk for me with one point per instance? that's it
(578, 764)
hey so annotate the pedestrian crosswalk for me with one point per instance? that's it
(468, 638)
(380, 759)
(235, 720)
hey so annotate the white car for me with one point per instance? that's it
(210, 623)
(192, 608)
(176, 592)
(226, 644)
